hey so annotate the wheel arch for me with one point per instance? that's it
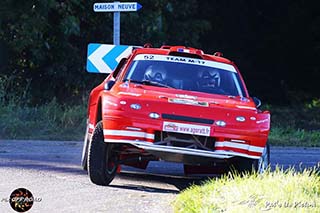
(99, 111)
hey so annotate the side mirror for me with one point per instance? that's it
(257, 101)
(109, 85)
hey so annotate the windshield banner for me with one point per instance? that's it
(184, 60)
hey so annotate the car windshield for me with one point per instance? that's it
(185, 74)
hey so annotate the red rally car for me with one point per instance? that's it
(176, 104)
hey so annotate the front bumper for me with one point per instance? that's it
(181, 154)
(140, 134)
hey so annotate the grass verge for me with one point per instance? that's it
(47, 122)
(297, 125)
(278, 191)
(288, 136)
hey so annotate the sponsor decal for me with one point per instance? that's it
(129, 93)
(188, 102)
(170, 127)
(186, 96)
(186, 128)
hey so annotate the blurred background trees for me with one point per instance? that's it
(43, 44)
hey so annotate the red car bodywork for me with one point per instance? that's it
(243, 134)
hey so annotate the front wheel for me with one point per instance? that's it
(263, 163)
(102, 158)
(246, 165)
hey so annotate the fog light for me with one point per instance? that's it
(135, 106)
(154, 115)
(221, 123)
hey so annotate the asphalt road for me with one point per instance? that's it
(51, 171)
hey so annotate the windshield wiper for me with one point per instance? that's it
(148, 82)
(154, 83)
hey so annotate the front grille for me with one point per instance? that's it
(187, 118)
(184, 140)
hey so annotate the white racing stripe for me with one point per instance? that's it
(239, 146)
(128, 133)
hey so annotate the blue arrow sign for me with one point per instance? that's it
(117, 7)
(104, 58)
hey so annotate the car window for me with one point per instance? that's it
(186, 74)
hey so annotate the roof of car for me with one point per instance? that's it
(183, 52)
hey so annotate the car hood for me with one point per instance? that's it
(177, 96)
(184, 103)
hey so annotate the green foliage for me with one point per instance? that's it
(297, 125)
(43, 43)
(315, 103)
(278, 191)
(46, 42)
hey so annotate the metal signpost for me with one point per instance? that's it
(116, 7)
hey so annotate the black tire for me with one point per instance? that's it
(102, 161)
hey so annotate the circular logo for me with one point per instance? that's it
(21, 200)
